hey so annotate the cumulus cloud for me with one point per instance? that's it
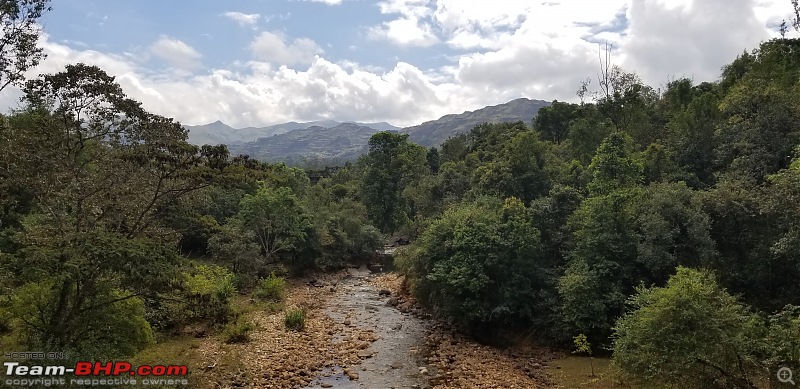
(405, 32)
(265, 94)
(274, 48)
(500, 51)
(242, 19)
(684, 41)
(177, 53)
(411, 28)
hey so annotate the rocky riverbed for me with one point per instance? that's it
(362, 331)
(396, 357)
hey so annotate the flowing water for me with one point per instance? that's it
(397, 357)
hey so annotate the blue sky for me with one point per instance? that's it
(261, 62)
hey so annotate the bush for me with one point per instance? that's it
(209, 289)
(479, 266)
(689, 334)
(204, 294)
(272, 288)
(295, 319)
(238, 331)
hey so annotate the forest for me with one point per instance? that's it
(660, 226)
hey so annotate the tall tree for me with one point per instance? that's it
(99, 169)
(613, 166)
(18, 49)
(392, 163)
(276, 217)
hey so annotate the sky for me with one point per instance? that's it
(263, 62)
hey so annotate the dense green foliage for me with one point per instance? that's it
(690, 333)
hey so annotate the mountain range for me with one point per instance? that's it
(221, 133)
(330, 140)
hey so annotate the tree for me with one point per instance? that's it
(340, 229)
(672, 229)
(391, 165)
(98, 169)
(761, 113)
(18, 50)
(236, 246)
(691, 334)
(602, 265)
(525, 159)
(742, 232)
(276, 217)
(613, 166)
(553, 122)
(582, 346)
(433, 159)
(479, 267)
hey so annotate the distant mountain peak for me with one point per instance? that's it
(346, 140)
(435, 132)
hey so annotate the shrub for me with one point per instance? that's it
(295, 319)
(689, 334)
(209, 289)
(272, 288)
(204, 293)
(238, 331)
(479, 266)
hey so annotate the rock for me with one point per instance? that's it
(396, 365)
(397, 327)
(393, 301)
(384, 292)
(326, 385)
(364, 354)
(423, 370)
(346, 322)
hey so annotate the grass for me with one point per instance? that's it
(238, 331)
(173, 351)
(573, 372)
(295, 319)
(272, 288)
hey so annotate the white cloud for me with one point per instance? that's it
(177, 53)
(274, 48)
(411, 28)
(242, 19)
(405, 32)
(666, 42)
(500, 51)
(329, 2)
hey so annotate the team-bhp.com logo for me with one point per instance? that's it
(94, 374)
